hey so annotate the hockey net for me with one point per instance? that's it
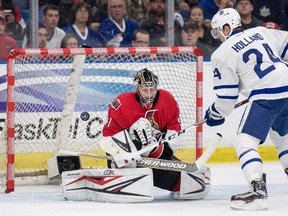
(49, 90)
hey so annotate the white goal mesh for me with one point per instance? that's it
(43, 81)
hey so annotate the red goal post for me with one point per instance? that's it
(44, 86)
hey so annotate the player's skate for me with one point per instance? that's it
(256, 199)
(286, 171)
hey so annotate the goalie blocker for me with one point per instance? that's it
(128, 185)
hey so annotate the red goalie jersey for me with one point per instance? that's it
(127, 109)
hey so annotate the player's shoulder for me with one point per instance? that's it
(221, 51)
(122, 101)
(165, 94)
(256, 30)
(126, 96)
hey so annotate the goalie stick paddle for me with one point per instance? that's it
(171, 165)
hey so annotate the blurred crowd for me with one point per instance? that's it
(126, 23)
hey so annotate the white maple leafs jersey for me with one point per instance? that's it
(251, 63)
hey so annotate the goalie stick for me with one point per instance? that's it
(196, 124)
(169, 164)
(179, 133)
(161, 163)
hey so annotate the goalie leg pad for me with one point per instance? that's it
(108, 185)
(194, 185)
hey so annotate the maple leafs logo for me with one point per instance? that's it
(265, 12)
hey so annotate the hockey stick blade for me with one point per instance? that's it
(161, 163)
(209, 151)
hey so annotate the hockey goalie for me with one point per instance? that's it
(136, 122)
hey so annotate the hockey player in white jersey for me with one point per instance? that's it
(252, 63)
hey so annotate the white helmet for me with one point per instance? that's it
(227, 16)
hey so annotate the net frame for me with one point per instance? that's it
(10, 175)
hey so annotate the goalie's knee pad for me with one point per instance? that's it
(194, 185)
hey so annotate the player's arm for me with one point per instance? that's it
(226, 87)
(280, 40)
(116, 120)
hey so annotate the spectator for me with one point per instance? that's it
(210, 8)
(158, 8)
(15, 23)
(80, 19)
(12, 13)
(245, 8)
(138, 10)
(42, 37)
(13, 28)
(191, 3)
(155, 24)
(64, 7)
(99, 12)
(69, 41)
(190, 37)
(271, 11)
(205, 37)
(184, 6)
(51, 19)
(117, 31)
(7, 43)
(141, 38)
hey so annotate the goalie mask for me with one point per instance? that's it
(146, 84)
(227, 16)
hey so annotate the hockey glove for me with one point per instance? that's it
(213, 117)
(141, 133)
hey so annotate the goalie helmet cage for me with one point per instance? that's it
(58, 98)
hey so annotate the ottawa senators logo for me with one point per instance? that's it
(150, 116)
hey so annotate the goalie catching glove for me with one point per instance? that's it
(141, 140)
(143, 134)
(213, 117)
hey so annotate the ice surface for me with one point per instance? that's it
(227, 179)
